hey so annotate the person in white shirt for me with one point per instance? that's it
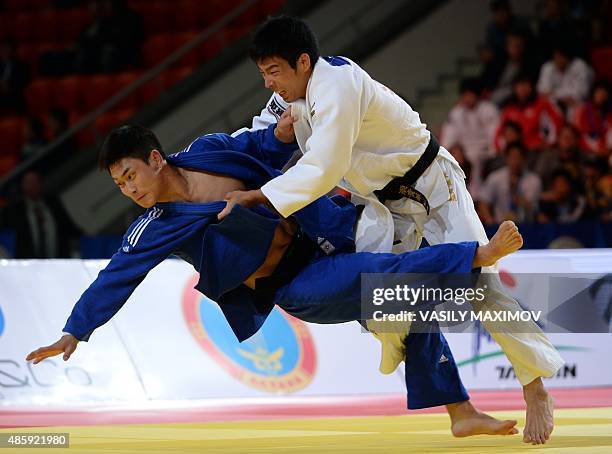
(512, 191)
(356, 133)
(472, 124)
(564, 79)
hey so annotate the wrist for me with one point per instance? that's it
(283, 137)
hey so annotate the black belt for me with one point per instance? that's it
(403, 186)
(299, 253)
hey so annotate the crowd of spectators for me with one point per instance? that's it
(534, 131)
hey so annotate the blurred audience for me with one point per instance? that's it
(43, 228)
(14, 75)
(565, 156)
(565, 79)
(539, 118)
(510, 192)
(35, 138)
(598, 190)
(520, 58)
(593, 119)
(458, 153)
(563, 202)
(112, 42)
(472, 124)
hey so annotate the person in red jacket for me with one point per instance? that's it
(538, 117)
(593, 120)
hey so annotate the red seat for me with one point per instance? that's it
(45, 26)
(38, 96)
(194, 56)
(85, 136)
(150, 90)
(69, 93)
(8, 162)
(23, 27)
(190, 15)
(156, 48)
(121, 81)
(72, 23)
(97, 90)
(213, 45)
(12, 131)
(601, 59)
(158, 17)
(109, 120)
(173, 76)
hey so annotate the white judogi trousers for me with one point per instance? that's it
(529, 350)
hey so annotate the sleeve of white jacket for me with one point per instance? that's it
(270, 114)
(339, 106)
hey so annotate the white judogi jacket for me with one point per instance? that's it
(355, 133)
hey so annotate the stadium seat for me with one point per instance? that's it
(156, 48)
(8, 162)
(119, 82)
(190, 16)
(71, 23)
(109, 120)
(601, 59)
(97, 89)
(158, 17)
(22, 27)
(194, 56)
(69, 93)
(12, 131)
(45, 26)
(173, 76)
(38, 96)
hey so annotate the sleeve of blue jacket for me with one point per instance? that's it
(142, 249)
(262, 144)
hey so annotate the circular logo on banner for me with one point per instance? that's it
(279, 358)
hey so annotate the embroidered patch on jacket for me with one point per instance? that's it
(452, 197)
(275, 108)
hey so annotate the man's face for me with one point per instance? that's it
(469, 99)
(290, 83)
(137, 180)
(523, 90)
(515, 161)
(561, 61)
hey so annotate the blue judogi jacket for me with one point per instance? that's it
(224, 253)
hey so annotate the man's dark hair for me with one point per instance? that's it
(470, 85)
(513, 125)
(129, 141)
(516, 146)
(285, 37)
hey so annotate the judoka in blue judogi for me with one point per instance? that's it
(319, 284)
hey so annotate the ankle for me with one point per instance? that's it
(460, 410)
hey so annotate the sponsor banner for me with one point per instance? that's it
(170, 342)
(35, 299)
(482, 363)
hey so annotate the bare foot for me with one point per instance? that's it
(540, 407)
(467, 421)
(506, 240)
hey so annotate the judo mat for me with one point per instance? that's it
(303, 428)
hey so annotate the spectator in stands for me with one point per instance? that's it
(503, 20)
(14, 76)
(58, 122)
(43, 228)
(598, 190)
(113, 41)
(511, 192)
(539, 118)
(565, 79)
(497, 77)
(563, 202)
(564, 156)
(593, 119)
(459, 154)
(555, 26)
(472, 124)
(35, 138)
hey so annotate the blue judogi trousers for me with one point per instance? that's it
(328, 290)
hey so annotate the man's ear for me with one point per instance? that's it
(155, 159)
(304, 62)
